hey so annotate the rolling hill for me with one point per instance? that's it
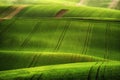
(59, 41)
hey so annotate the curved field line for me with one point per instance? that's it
(2, 11)
(108, 41)
(87, 40)
(10, 15)
(103, 76)
(90, 71)
(106, 45)
(98, 70)
(7, 27)
(36, 77)
(40, 77)
(34, 60)
(32, 77)
(62, 36)
(106, 56)
(7, 11)
(29, 35)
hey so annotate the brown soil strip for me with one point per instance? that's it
(10, 14)
(1, 20)
(13, 13)
(113, 4)
(61, 13)
(7, 11)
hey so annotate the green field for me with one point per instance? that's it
(59, 40)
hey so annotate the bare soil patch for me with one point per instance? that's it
(61, 13)
(13, 13)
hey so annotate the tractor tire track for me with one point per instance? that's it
(36, 77)
(7, 11)
(87, 40)
(62, 36)
(9, 16)
(98, 71)
(34, 61)
(106, 41)
(90, 71)
(29, 35)
(2, 11)
(103, 76)
(40, 77)
(7, 27)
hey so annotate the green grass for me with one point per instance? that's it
(69, 36)
(66, 72)
(98, 3)
(82, 11)
(26, 59)
(83, 44)
(29, 43)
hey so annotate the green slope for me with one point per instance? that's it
(62, 35)
(98, 3)
(82, 44)
(82, 11)
(93, 3)
(26, 59)
(77, 71)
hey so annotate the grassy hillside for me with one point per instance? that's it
(59, 40)
(84, 71)
(26, 59)
(66, 35)
(98, 3)
(51, 11)
(93, 3)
